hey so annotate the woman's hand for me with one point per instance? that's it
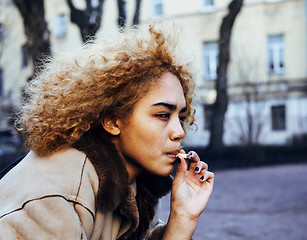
(191, 187)
(191, 191)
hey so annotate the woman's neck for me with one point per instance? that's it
(133, 170)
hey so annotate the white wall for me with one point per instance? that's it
(235, 119)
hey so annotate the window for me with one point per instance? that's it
(278, 116)
(93, 17)
(9, 2)
(208, 5)
(157, 8)
(94, 3)
(1, 81)
(273, 0)
(210, 60)
(25, 55)
(276, 62)
(208, 115)
(60, 25)
(2, 33)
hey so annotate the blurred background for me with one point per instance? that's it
(250, 59)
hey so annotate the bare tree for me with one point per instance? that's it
(219, 108)
(136, 18)
(254, 116)
(87, 20)
(247, 124)
(36, 30)
(122, 16)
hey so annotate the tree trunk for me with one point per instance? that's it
(36, 30)
(88, 20)
(122, 18)
(136, 18)
(221, 103)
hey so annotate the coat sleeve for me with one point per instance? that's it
(157, 233)
(50, 217)
(156, 230)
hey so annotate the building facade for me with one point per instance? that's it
(267, 74)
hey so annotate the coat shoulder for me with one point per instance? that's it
(68, 174)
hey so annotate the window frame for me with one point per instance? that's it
(2, 33)
(275, 54)
(278, 118)
(158, 3)
(210, 57)
(1, 82)
(94, 3)
(208, 7)
(61, 25)
(208, 112)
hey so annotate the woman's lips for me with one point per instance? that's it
(173, 155)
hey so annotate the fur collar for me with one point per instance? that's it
(114, 191)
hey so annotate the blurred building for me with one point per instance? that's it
(267, 72)
(13, 70)
(267, 75)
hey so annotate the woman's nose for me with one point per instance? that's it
(177, 132)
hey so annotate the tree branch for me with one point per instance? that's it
(36, 30)
(87, 20)
(136, 18)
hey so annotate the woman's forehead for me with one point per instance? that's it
(167, 89)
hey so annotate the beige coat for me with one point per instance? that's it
(56, 200)
(79, 193)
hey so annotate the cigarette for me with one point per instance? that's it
(184, 155)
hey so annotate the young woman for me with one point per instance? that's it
(104, 129)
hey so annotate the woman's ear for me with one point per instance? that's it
(111, 126)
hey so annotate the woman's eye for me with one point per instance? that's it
(163, 116)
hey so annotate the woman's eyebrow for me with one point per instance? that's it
(169, 106)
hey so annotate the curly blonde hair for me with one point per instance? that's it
(104, 79)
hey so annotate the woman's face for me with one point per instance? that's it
(150, 137)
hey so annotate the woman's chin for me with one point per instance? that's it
(166, 172)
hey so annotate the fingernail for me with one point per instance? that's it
(202, 178)
(196, 169)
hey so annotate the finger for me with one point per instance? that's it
(181, 168)
(194, 160)
(181, 157)
(207, 177)
(201, 167)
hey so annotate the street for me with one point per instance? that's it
(265, 203)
